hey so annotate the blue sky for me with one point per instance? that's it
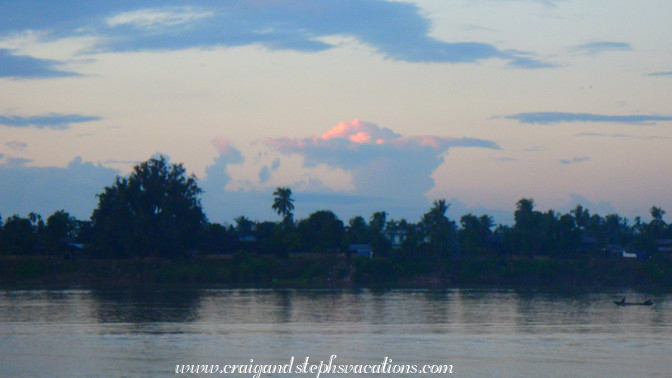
(358, 106)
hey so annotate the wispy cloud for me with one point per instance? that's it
(397, 30)
(153, 18)
(627, 136)
(561, 117)
(600, 47)
(380, 161)
(668, 73)
(529, 63)
(50, 121)
(27, 67)
(574, 160)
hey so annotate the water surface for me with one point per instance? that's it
(502, 333)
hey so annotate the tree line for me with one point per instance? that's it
(156, 212)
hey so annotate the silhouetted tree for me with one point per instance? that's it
(61, 229)
(358, 231)
(526, 230)
(616, 230)
(581, 216)
(441, 232)
(474, 233)
(155, 211)
(219, 239)
(657, 224)
(380, 245)
(321, 232)
(18, 236)
(283, 205)
(244, 227)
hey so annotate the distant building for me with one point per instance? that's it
(362, 250)
(396, 237)
(664, 246)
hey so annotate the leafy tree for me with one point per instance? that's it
(441, 232)
(357, 231)
(616, 230)
(527, 228)
(18, 236)
(657, 224)
(219, 239)
(380, 245)
(474, 233)
(567, 237)
(581, 216)
(265, 236)
(283, 205)
(36, 220)
(155, 211)
(377, 221)
(244, 227)
(321, 232)
(61, 229)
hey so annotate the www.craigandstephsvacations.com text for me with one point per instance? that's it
(316, 369)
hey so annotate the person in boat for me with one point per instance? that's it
(648, 302)
(623, 300)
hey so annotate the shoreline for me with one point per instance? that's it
(333, 272)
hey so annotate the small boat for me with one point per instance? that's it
(647, 302)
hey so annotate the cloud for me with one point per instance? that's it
(398, 30)
(382, 163)
(265, 171)
(154, 18)
(46, 189)
(529, 63)
(600, 47)
(51, 121)
(603, 207)
(618, 135)
(216, 174)
(669, 73)
(17, 145)
(546, 118)
(574, 160)
(27, 67)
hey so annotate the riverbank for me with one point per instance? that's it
(334, 271)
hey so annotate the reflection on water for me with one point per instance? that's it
(481, 332)
(145, 306)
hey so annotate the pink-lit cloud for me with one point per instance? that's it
(381, 162)
(223, 146)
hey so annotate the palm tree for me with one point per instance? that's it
(283, 204)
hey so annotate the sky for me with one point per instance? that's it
(357, 105)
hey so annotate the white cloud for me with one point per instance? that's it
(382, 163)
(158, 17)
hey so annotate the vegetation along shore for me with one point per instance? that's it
(150, 228)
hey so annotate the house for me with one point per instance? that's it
(617, 251)
(396, 237)
(664, 246)
(362, 250)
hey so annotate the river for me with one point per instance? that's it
(478, 332)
